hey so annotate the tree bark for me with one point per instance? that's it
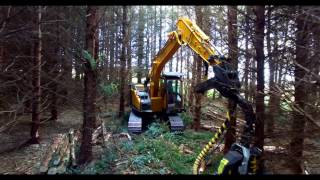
(172, 27)
(197, 96)
(123, 79)
(36, 80)
(247, 55)
(55, 73)
(140, 44)
(201, 18)
(90, 86)
(129, 55)
(230, 136)
(300, 95)
(273, 109)
(259, 46)
(66, 59)
(193, 75)
(160, 27)
(112, 44)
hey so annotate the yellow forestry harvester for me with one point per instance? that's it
(161, 95)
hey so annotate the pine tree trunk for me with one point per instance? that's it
(77, 65)
(172, 28)
(107, 52)
(314, 94)
(128, 55)
(247, 55)
(55, 73)
(67, 62)
(123, 78)
(300, 95)
(116, 52)
(259, 45)
(181, 60)
(193, 75)
(197, 96)
(154, 33)
(272, 106)
(253, 78)
(36, 82)
(160, 28)
(230, 136)
(190, 67)
(112, 44)
(198, 61)
(148, 34)
(140, 44)
(177, 60)
(90, 87)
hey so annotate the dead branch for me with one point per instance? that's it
(297, 108)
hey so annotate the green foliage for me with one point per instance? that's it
(127, 146)
(163, 145)
(87, 56)
(102, 56)
(104, 165)
(170, 155)
(285, 105)
(125, 119)
(73, 170)
(211, 93)
(109, 89)
(157, 151)
(142, 160)
(213, 168)
(93, 62)
(147, 164)
(156, 129)
(114, 124)
(187, 118)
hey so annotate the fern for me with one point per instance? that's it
(87, 56)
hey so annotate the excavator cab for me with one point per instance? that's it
(171, 85)
(173, 91)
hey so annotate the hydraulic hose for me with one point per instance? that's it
(210, 144)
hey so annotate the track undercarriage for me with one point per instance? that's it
(136, 122)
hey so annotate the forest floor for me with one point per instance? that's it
(16, 158)
(156, 151)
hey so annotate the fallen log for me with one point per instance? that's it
(72, 147)
(50, 152)
(184, 149)
(95, 134)
(208, 127)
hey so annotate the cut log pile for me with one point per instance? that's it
(212, 119)
(61, 153)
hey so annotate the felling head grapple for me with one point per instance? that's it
(241, 158)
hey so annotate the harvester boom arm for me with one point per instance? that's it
(187, 33)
